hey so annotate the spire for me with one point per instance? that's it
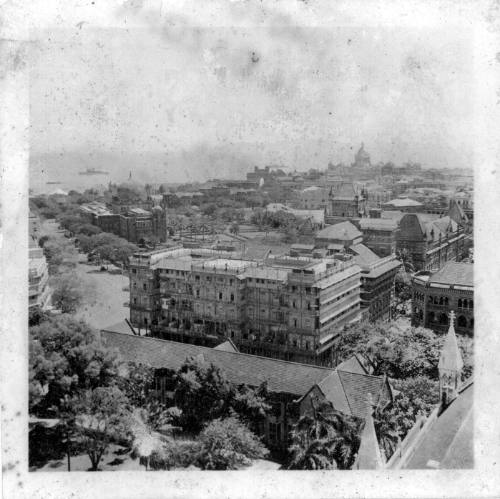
(369, 456)
(451, 358)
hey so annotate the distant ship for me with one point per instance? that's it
(53, 182)
(93, 171)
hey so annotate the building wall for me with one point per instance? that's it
(431, 307)
(381, 242)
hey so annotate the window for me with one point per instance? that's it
(232, 297)
(220, 296)
(295, 322)
(293, 304)
(308, 305)
(232, 334)
(197, 293)
(197, 278)
(135, 301)
(295, 343)
(307, 345)
(462, 321)
(144, 286)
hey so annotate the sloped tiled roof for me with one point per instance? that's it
(458, 273)
(359, 389)
(282, 376)
(334, 393)
(342, 231)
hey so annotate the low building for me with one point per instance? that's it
(436, 294)
(38, 277)
(380, 235)
(291, 386)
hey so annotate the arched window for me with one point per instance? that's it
(432, 317)
(462, 321)
(446, 301)
(429, 300)
(436, 300)
(471, 322)
(465, 303)
(460, 303)
(471, 303)
(443, 319)
(441, 301)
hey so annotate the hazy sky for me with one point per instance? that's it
(297, 96)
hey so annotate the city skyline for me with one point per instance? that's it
(219, 99)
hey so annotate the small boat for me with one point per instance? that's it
(93, 171)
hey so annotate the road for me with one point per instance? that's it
(105, 298)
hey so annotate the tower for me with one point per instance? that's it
(450, 366)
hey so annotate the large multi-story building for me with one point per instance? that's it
(284, 307)
(38, 275)
(436, 294)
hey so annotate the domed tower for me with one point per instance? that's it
(159, 222)
(450, 366)
(362, 158)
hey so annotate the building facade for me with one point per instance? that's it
(380, 235)
(284, 307)
(431, 242)
(38, 277)
(137, 225)
(436, 294)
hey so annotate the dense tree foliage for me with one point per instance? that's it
(102, 415)
(324, 439)
(203, 393)
(66, 357)
(67, 292)
(226, 444)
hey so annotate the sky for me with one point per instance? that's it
(298, 96)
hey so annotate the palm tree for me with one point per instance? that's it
(324, 439)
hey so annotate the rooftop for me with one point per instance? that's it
(343, 231)
(400, 202)
(454, 273)
(350, 392)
